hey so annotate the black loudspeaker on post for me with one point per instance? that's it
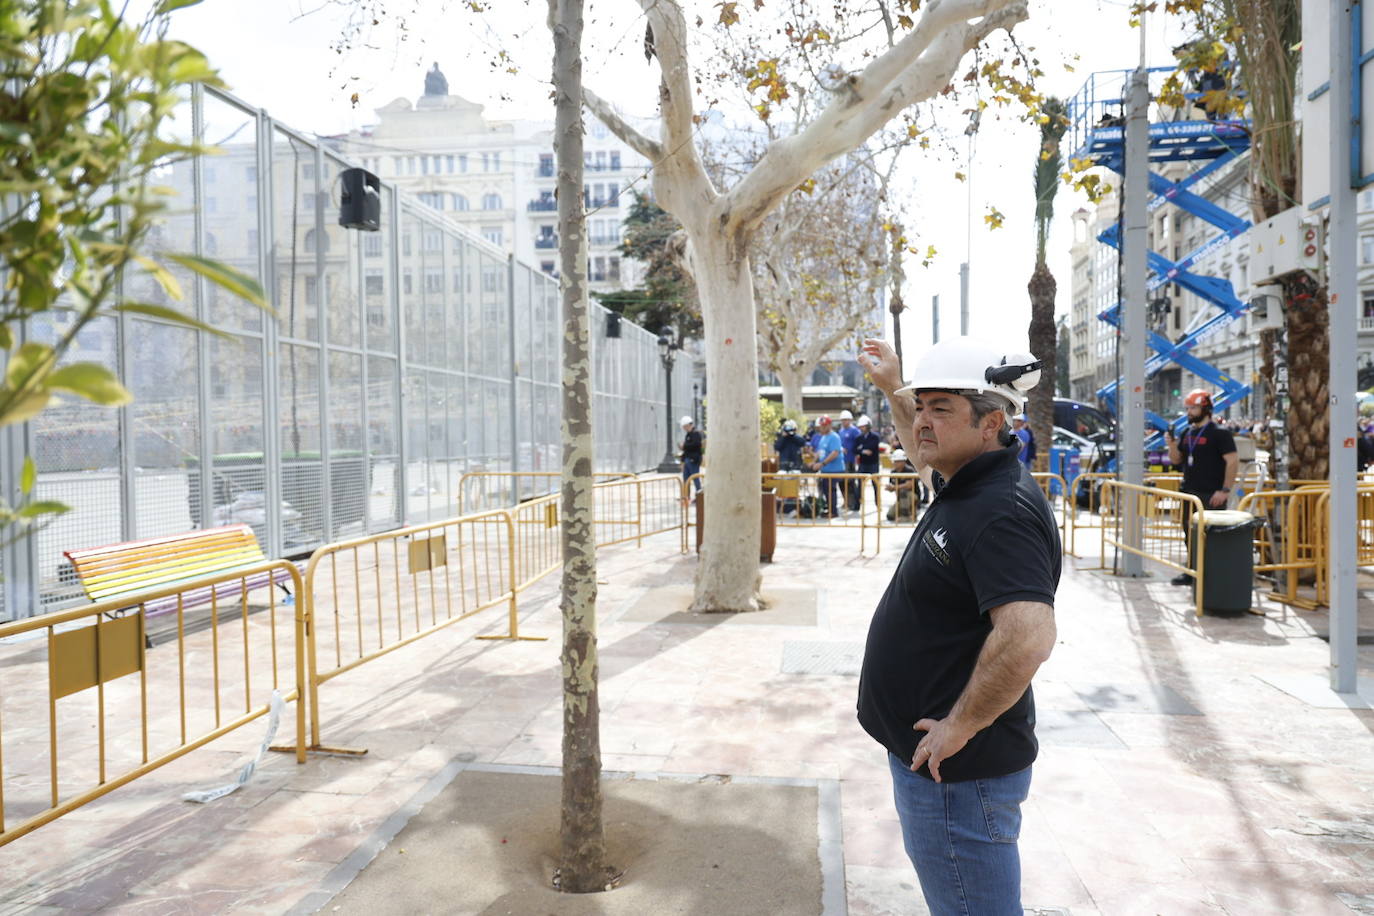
(360, 200)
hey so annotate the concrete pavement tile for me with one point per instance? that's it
(1265, 889)
(876, 843)
(884, 891)
(1074, 728)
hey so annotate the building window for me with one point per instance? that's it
(372, 244)
(494, 235)
(613, 269)
(405, 244)
(496, 162)
(252, 203)
(433, 240)
(434, 281)
(424, 165)
(486, 162)
(308, 172)
(1367, 306)
(1366, 249)
(547, 267)
(312, 291)
(308, 202)
(615, 160)
(407, 284)
(373, 284)
(462, 162)
(410, 165)
(491, 201)
(460, 202)
(546, 165)
(491, 278)
(601, 160)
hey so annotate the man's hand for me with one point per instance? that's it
(880, 362)
(943, 739)
(1218, 499)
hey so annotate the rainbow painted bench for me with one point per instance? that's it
(134, 567)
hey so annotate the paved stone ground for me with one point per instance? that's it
(1188, 765)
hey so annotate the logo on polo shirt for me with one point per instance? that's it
(935, 542)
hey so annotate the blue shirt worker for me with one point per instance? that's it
(849, 437)
(965, 623)
(1020, 425)
(829, 460)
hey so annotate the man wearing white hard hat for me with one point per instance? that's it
(691, 450)
(867, 448)
(965, 623)
(849, 435)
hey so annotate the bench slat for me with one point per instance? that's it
(136, 566)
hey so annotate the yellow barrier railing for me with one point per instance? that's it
(479, 491)
(88, 663)
(1290, 542)
(1088, 513)
(400, 586)
(1364, 537)
(1160, 515)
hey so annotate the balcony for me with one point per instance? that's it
(1367, 325)
(542, 206)
(604, 240)
(546, 242)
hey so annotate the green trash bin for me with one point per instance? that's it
(1229, 561)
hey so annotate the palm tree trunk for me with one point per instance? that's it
(1042, 289)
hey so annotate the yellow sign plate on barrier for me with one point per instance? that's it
(80, 659)
(428, 553)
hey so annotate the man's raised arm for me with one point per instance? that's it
(880, 362)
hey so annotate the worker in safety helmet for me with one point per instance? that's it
(691, 450)
(1207, 454)
(965, 623)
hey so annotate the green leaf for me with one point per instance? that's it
(26, 407)
(28, 477)
(167, 314)
(42, 507)
(91, 381)
(28, 366)
(166, 6)
(225, 277)
(162, 275)
(6, 337)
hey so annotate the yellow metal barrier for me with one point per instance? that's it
(479, 491)
(1291, 541)
(87, 663)
(1088, 484)
(402, 585)
(1364, 537)
(1160, 513)
(1064, 499)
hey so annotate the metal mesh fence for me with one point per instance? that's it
(397, 361)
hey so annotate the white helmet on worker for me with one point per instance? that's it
(686, 422)
(846, 415)
(965, 364)
(863, 421)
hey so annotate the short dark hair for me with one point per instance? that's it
(981, 404)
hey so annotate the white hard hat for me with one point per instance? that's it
(846, 415)
(686, 421)
(789, 425)
(863, 421)
(963, 364)
(898, 455)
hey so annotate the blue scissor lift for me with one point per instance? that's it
(1098, 133)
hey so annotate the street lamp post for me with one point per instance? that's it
(667, 352)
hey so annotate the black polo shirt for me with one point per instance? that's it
(988, 539)
(1204, 454)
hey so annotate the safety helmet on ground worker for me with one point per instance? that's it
(863, 421)
(898, 455)
(789, 426)
(1198, 396)
(686, 422)
(846, 415)
(966, 364)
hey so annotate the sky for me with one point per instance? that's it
(285, 56)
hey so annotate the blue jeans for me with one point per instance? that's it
(691, 466)
(961, 836)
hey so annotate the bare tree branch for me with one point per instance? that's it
(605, 113)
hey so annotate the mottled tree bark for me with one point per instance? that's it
(583, 856)
(721, 226)
(1308, 373)
(1040, 408)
